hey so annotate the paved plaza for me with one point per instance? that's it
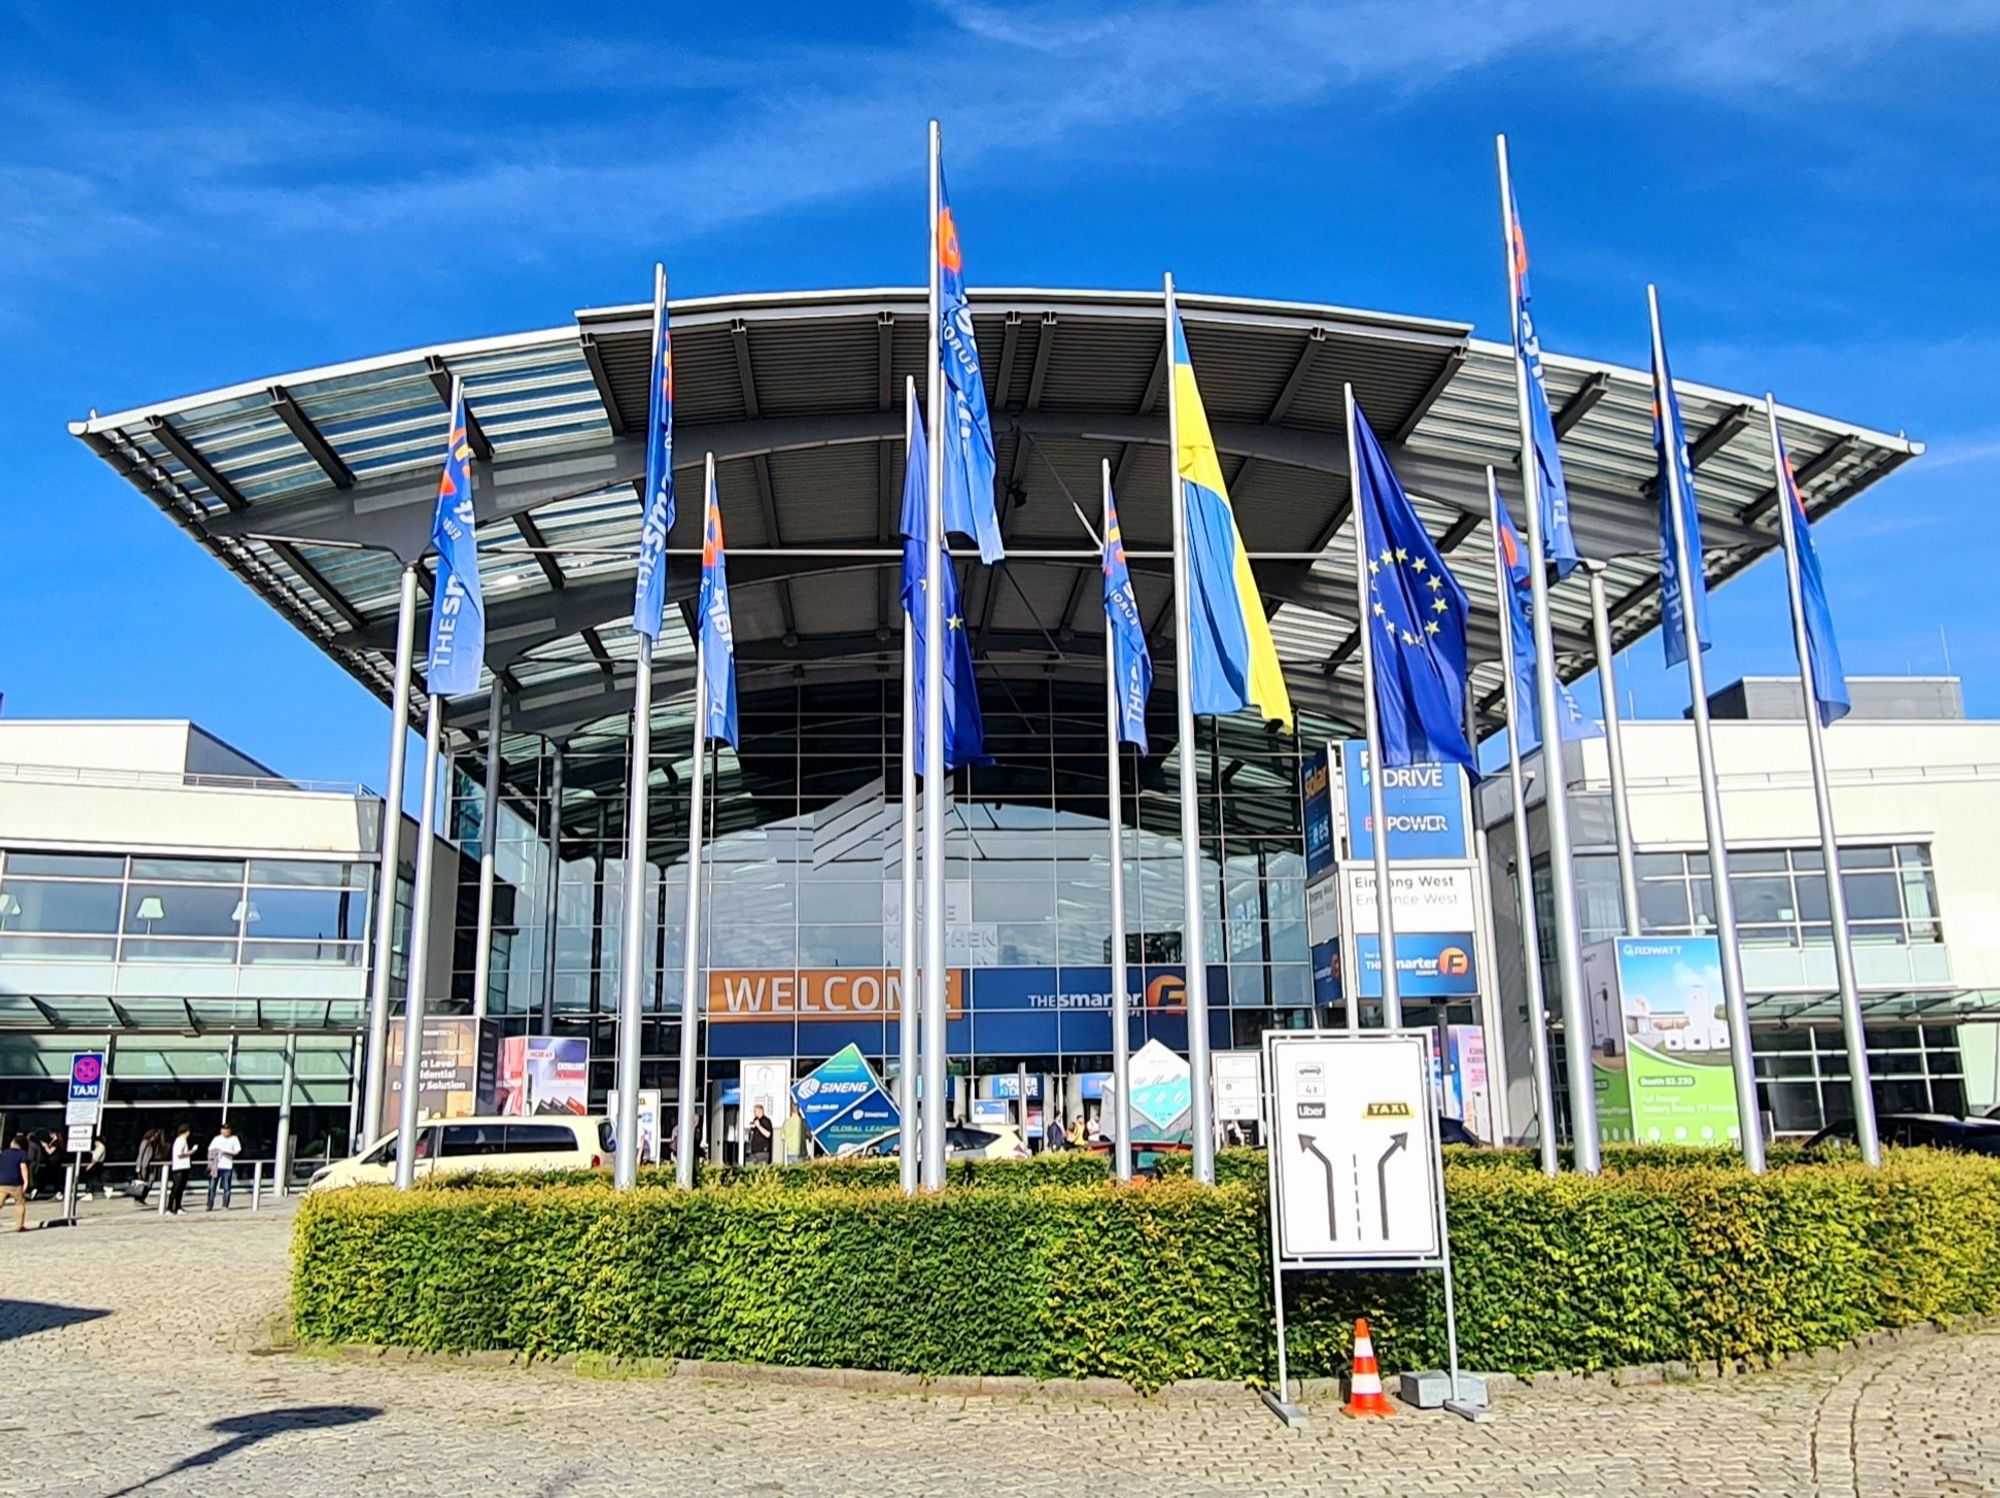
(136, 1356)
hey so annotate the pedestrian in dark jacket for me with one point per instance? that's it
(152, 1150)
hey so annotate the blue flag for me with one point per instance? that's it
(1670, 446)
(718, 638)
(964, 727)
(1417, 610)
(458, 615)
(1521, 629)
(1558, 540)
(649, 598)
(968, 431)
(1829, 681)
(1130, 664)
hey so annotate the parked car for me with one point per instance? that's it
(1454, 1131)
(1972, 1136)
(463, 1145)
(961, 1142)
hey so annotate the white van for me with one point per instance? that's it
(457, 1146)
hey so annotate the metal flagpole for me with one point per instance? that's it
(691, 1006)
(911, 1006)
(1385, 919)
(1194, 953)
(389, 861)
(420, 935)
(1555, 794)
(632, 927)
(1843, 941)
(1614, 747)
(937, 556)
(1749, 1119)
(1114, 794)
(1531, 937)
(551, 928)
(482, 957)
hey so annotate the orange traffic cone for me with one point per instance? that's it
(1364, 1385)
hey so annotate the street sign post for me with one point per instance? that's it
(1355, 1169)
(82, 1110)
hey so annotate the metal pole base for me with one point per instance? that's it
(1478, 1414)
(1293, 1415)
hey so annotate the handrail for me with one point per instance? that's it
(182, 780)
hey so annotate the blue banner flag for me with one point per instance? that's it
(458, 615)
(1558, 540)
(964, 727)
(649, 598)
(1417, 610)
(1129, 662)
(968, 430)
(1829, 681)
(718, 639)
(1521, 629)
(1670, 446)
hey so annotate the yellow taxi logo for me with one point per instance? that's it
(1387, 1110)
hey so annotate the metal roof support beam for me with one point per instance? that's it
(475, 435)
(1718, 436)
(312, 578)
(1287, 394)
(593, 355)
(311, 438)
(1802, 474)
(163, 432)
(1418, 412)
(1342, 652)
(767, 500)
(544, 556)
(1594, 388)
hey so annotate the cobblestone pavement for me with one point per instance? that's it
(134, 1352)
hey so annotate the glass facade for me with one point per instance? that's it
(801, 923)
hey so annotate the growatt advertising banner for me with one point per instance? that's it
(1660, 1041)
(843, 1104)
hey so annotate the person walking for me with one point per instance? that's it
(795, 1135)
(92, 1178)
(152, 1150)
(760, 1138)
(1055, 1139)
(14, 1179)
(180, 1163)
(222, 1152)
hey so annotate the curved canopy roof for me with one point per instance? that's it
(315, 487)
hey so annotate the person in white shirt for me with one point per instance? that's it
(222, 1152)
(179, 1164)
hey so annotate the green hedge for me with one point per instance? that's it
(1063, 1168)
(1646, 1263)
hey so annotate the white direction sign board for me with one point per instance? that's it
(1354, 1151)
(1239, 1086)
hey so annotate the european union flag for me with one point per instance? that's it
(458, 615)
(1670, 445)
(1416, 610)
(1521, 629)
(1558, 540)
(968, 430)
(964, 728)
(649, 599)
(1130, 663)
(718, 638)
(1829, 681)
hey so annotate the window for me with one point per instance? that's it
(540, 1139)
(461, 1140)
(1781, 895)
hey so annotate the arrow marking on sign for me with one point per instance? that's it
(1396, 1142)
(1332, 1221)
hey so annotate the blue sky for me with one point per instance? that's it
(193, 196)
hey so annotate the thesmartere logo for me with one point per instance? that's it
(1168, 991)
(1454, 962)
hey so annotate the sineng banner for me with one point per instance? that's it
(543, 1074)
(843, 1103)
(1660, 1048)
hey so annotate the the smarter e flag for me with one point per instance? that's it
(964, 727)
(1829, 681)
(718, 640)
(968, 431)
(1558, 540)
(1670, 446)
(1521, 629)
(1416, 610)
(458, 615)
(1235, 664)
(1130, 664)
(649, 599)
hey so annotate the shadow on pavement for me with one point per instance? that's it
(23, 1318)
(247, 1430)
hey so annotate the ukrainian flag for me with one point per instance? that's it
(1234, 663)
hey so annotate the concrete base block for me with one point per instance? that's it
(1430, 1389)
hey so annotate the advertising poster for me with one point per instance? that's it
(455, 1071)
(766, 1085)
(1162, 1095)
(649, 1126)
(1425, 805)
(1462, 1085)
(1318, 777)
(1436, 913)
(843, 1104)
(543, 1074)
(1661, 1049)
